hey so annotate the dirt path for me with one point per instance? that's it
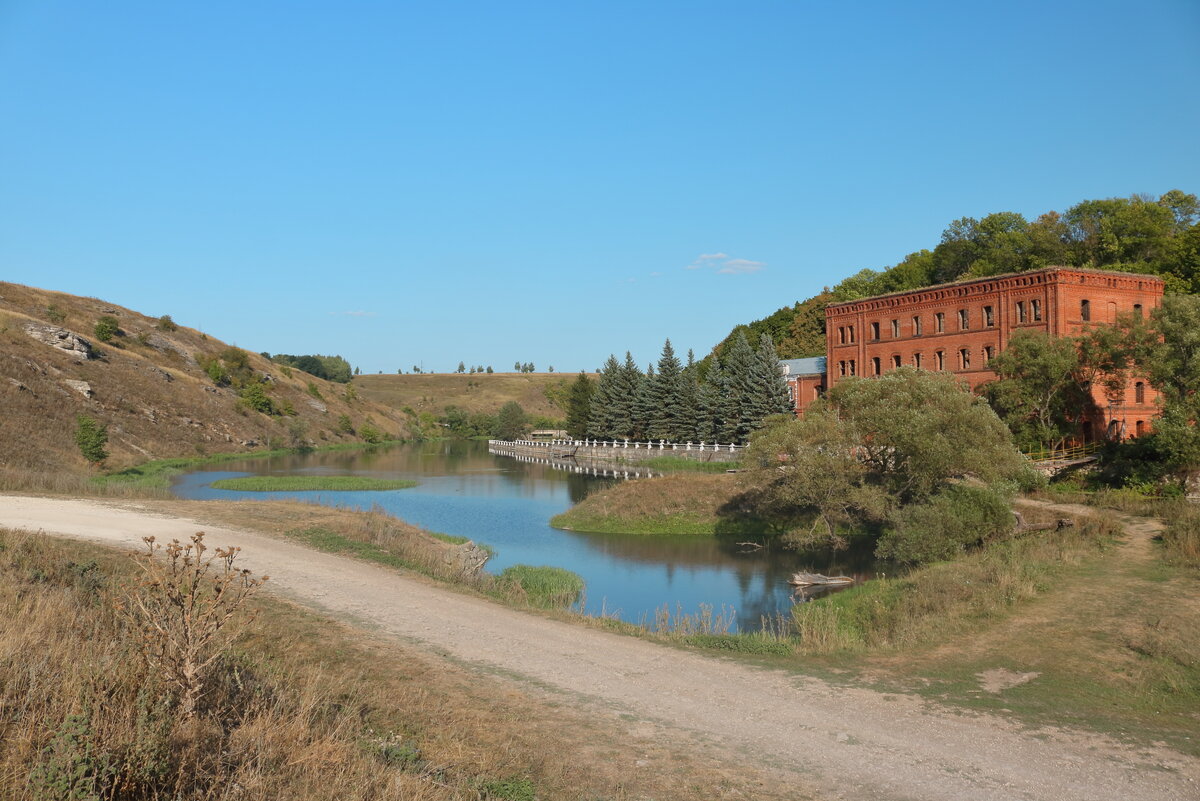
(837, 742)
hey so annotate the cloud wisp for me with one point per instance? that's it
(723, 264)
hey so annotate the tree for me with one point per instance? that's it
(489, 369)
(579, 406)
(165, 323)
(106, 328)
(510, 421)
(1168, 351)
(602, 411)
(92, 439)
(462, 368)
(643, 406)
(737, 421)
(1040, 392)
(667, 419)
(912, 427)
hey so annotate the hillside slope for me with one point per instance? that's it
(481, 392)
(147, 385)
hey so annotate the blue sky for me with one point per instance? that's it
(419, 183)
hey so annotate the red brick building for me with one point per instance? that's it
(959, 327)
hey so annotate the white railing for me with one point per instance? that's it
(660, 445)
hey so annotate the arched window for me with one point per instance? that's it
(964, 358)
(1085, 310)
(1139, 392)
(875, 369)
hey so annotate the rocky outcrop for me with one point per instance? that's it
(465, 560)
(82, 387)
(62, 339)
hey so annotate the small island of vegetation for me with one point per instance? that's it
(311, 483)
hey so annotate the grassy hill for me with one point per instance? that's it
(482, 392)
(148, 386)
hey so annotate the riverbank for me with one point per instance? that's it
(822, 732)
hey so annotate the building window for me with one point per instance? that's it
(963, 320)
(874, 331)
(1085, 310)
(989, 317)
(917, 360)
(916, 326)
(941, 360)
(852, 372)
(1020, 311)
(1139, 428)
(841, 335)
(896, 360)
(1139, 392)
(895, 329)
(850, 332)
(941, 322)
(875, 368)
(1137, 310)
(1035, 309)
(841, 368)
(988, 354)
(964, 358)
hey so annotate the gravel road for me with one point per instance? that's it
(837, 742)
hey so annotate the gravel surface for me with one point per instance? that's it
(835, 742)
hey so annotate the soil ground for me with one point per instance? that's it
(812, 738)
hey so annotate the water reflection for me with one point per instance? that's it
(507, 504)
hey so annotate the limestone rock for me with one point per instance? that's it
(465, 560)
(62, 339)
(82, 387)
(19, 385)
(316, 404)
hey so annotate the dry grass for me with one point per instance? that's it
(679, 504)
(148, 390)
(424, 392)
(300, 707)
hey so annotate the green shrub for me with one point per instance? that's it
(510, 790)
(106, 328)
(544, 586)
(344, 425)
(254, 396)
(165, 323)
(752, 643)
(55, 314)
(945, 525)
(370, 433)
(91, 437)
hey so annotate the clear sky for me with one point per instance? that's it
(419, 183)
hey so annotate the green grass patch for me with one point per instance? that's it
(157, 474)
(324, 539)
(743, 643)
(677, 464)
(310, 483)
(544, 586)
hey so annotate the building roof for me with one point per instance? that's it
(1001, 276)
(814, 365)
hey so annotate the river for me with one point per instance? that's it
(507, 504)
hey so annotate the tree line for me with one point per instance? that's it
(1141, 234)
(677, 401)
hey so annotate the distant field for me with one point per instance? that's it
(473, 393)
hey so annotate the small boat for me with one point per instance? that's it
(817, 580)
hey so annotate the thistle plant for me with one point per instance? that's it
(187, 609)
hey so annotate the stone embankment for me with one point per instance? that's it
(615, 451)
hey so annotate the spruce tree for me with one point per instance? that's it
(735, 408)
(689, 392)
(768, 388)
(708, 403)
(626, 391)
(601, 421)
(579, 406)
(643, 407)
(666, 414)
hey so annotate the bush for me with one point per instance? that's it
(165, 323)
(254, 396)
(344, 425)
(370, 433)
(55, 314)
(1181, 539)
(106, 328)
(945, 525)
(91, 437)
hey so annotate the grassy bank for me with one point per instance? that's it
(675, 464)
(682, 504)
(310, 483)
(295, 707)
